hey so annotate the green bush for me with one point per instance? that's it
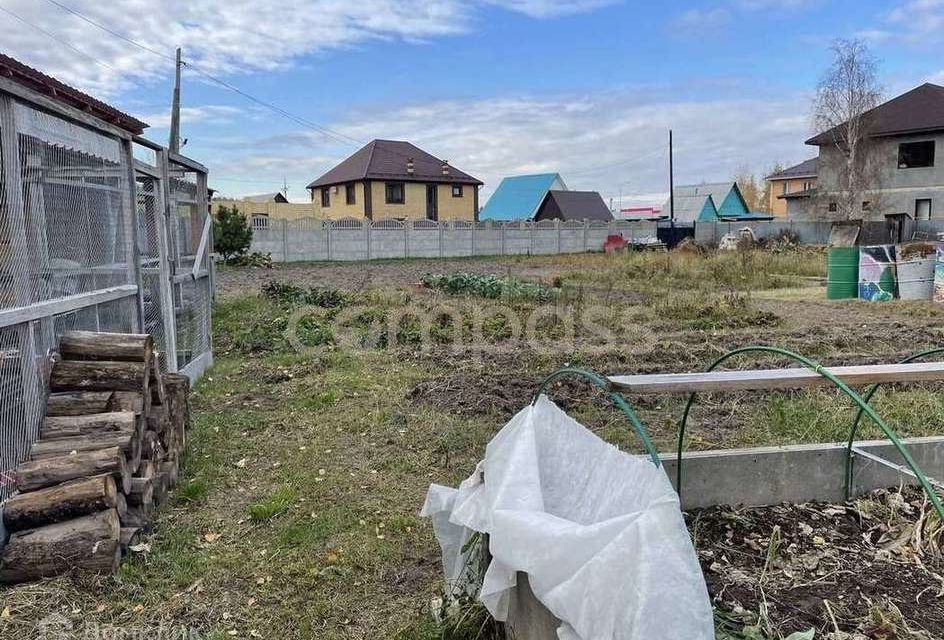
(489, 286)
(232, 234)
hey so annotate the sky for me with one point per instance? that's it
(587, 88)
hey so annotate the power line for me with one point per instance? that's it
(330, 133)
(85, 18)
(57, 38)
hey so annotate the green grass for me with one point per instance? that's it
(296, 515)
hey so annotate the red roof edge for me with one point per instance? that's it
(38, 81)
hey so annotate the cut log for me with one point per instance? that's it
(95, 424)
(129, 401)
(88, 544)
(158, 393)
(142, 492)
(121, 505)
(61, 502)
(177, 386)
(130, 536)
(151, 447)
(139, 517)
(103, 375)
(94, 345)
(161, 485)
(148, 469)
(78, 403)
(65, 446)
(157, 419)
(36, 474)
(172, 471)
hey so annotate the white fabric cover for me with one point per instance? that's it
(599, 532)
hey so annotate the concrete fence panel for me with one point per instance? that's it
(360, 239)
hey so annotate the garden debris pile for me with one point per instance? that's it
(873, 568)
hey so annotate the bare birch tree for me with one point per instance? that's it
(844, 97)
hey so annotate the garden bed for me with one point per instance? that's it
(873, 568)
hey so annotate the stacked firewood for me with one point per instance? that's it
(107, 453)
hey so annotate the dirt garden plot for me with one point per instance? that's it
(297, 513)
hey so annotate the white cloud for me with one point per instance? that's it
(917, 22)
(230, 36)
(610, 143)
(216, 113)
(551, 8)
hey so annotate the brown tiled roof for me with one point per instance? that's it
(387, 160)
(806, 169)
(61, 92)
(920, 110)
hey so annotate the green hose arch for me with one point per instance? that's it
(616, 398)
(864, 407)
(867, 396)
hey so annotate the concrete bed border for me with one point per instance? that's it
(755, 477)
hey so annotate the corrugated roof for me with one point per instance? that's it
(387, 160)
(574, 205)
(61, 92)
(518, 197)
(806, 169)
(690, 199)
(920, 110)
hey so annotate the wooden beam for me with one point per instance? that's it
(793, 378)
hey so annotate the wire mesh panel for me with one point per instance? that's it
(74, 194)
(192, 285)
(150, 209)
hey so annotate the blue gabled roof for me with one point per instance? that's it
(518, 197)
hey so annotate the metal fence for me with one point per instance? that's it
(362, 239)
(91, 237)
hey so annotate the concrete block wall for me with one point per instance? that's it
(351, 239)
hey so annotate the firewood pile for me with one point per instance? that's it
(107, 454)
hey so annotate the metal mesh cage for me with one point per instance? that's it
(150, 215)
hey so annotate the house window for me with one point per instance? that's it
(833, 206)
(807, 186)
(349, 193)
(923, 209)
(325, 197)
(916, 154)
(786, 187)
(866, 205)
(457, 191)
(394, 192)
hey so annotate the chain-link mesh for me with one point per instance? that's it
(63, 202)
(74, 185)
(192, 297)
(64, 198)
(150, 215)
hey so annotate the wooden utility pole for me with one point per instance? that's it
(671, 185)
(174, 142)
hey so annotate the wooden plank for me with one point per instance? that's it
(792, 378)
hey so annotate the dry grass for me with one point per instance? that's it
(297, 516)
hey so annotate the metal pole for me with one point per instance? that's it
(174, 142)
(671, 188)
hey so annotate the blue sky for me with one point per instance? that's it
(586, 87)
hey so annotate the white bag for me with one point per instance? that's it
(598, 531)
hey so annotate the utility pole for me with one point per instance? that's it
(671, 188)
(174, 142)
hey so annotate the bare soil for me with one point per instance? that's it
(873, 567)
